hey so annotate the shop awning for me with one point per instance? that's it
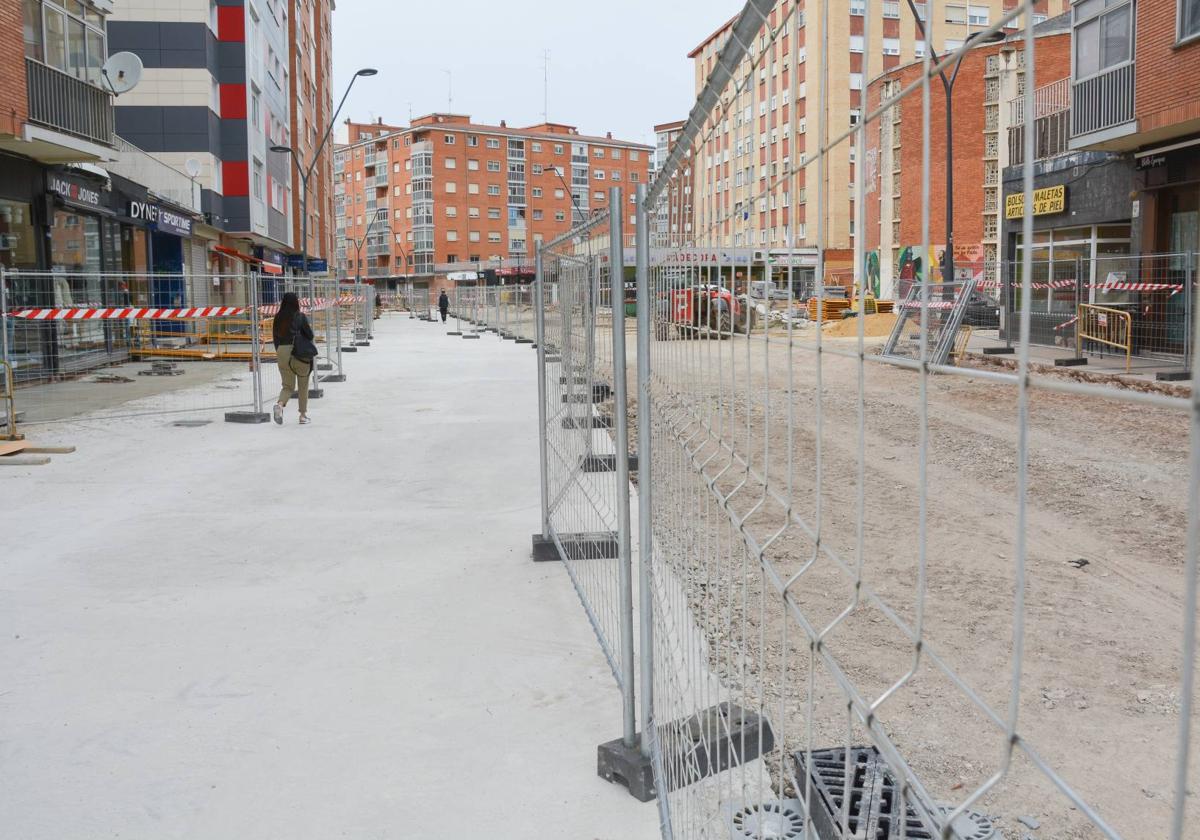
(267, 267)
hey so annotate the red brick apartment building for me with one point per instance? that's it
(988, 136)
(448, 194)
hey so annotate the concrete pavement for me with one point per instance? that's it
(304, 632)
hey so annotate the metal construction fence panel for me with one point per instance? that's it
(877, 595)
(111, 345)
(585, 463)
(1156, 293)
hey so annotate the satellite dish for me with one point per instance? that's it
(192, 167)
(122, 72)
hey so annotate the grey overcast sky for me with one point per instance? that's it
(618, 66)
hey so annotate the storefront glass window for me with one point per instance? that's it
(75, 262)
(18, 245)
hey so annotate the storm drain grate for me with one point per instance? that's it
(874, 807)
(772, 820)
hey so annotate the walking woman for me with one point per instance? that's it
(295, 353)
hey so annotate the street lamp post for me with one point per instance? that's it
(306, 174)
(948, 84)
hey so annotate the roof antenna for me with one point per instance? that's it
(546, 86)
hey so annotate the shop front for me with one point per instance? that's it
(1082, 240)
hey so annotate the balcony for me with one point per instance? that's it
(72, 106)
(1103, 107)
(1051, 124)
(161, 180)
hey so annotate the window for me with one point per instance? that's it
(856, 43)
(493, 166)
(634, 154)
(537, 215)
(451, 236)
(258, 179)
(615, 175)
(920, 10)
(473, 212)
(451, 187)
(451, 163)
(1103, 36)
(473, 236)
(559, 194)
(472, 140)
(956, 14)
(537, 169)
(560, 216)
(493, 237)
(558, 149)
(977, 15)
(448, 139)
(537, 192)
(72, 41)
(493, 212)
(1038, 19)
(858, 7)
(952, 45)
(891, 9)
(472, 165)
(634, 176)
(598, 153)
(472, 189)
(255, 108)
(537, 147)
(891, 46)
(616, 154)
(493, 143)
(598, 196)
(856, 81)
(452, 212)
(493, 189)
(919, 49)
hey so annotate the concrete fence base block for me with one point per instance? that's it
(1069, 361)
(349, 349)
(524, 341)
(544, 549)
(362, 344)
(616, 762)
(716, 739)
(998, 351)
(325, 366)
(334, 377)
(249, 417)
(593, 422)
(471, 335)
(606, 463)
(454, 332)
(1173, 375)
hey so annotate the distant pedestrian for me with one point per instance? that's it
(443, 305)
(295, 353)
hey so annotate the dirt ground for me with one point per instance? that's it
(1103, 610)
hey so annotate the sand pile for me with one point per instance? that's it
(875, 326)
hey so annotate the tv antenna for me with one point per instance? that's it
(546, 86)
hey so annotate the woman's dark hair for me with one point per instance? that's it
(289, 307)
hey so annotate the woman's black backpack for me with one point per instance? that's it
(304, 349)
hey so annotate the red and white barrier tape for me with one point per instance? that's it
(126, 313)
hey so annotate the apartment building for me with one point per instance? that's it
(989, 129)
(451, 194)
(673, 222)
(217, 90)
(740, 196)
(310, 56)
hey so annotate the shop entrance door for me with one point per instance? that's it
(168, 287)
